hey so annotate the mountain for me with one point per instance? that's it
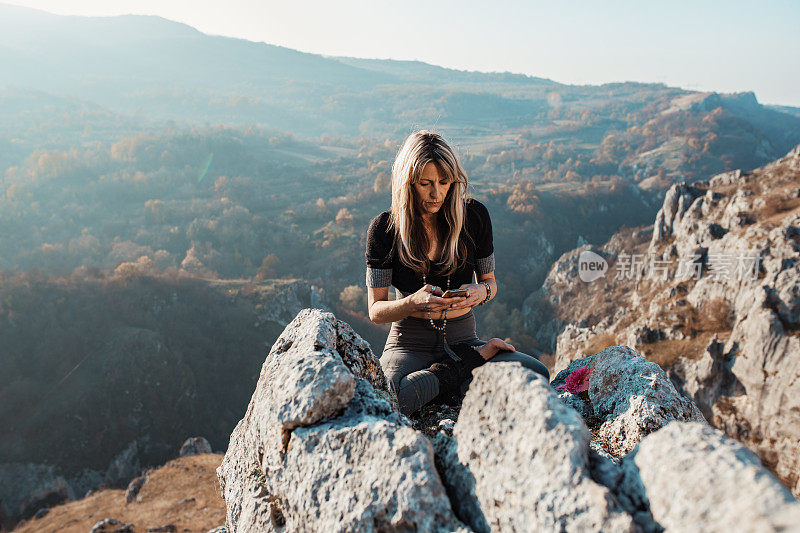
(152, 67)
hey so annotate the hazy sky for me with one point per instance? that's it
(724, 46)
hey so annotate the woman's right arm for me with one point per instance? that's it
(382, 310)
(427, 298)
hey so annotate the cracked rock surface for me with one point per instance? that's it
(321, 449)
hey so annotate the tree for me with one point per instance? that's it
(381, 182)
(267, 268)
(353, 298)
(344, 217)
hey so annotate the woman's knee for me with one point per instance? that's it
(397, 366)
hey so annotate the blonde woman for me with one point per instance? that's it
(433, 239)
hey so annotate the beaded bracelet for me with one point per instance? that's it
(488, 292)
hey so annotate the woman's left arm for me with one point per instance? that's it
(489, 278)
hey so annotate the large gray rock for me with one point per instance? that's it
(630, 397)
(694, 478)
(703, 379)
(766, 417)
(322, 446)
(518, 459)
(195, 446)
(678, 199)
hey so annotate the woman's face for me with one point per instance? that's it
(431, 189)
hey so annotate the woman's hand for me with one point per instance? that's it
(429, 298)
(493, 346)
(476, 292)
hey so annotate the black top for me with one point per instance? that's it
(384, 267)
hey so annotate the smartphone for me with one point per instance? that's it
(454, 292)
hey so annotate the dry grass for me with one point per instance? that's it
(716, 315)
(666, 352)
(184, 492)
(599, 342)
(778, 204)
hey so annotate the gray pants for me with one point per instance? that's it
(413, 345)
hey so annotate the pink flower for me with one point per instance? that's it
(578, 380)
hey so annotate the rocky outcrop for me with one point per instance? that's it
(322, 446)
(679, 198)
(704, 378)
(27, 487)
(714, 297)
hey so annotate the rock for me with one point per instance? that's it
(630, 397)
(134, 487)
(220, 529)
(749, 385)
(447, 425)
(125, 465)
(195, 446)
(579, 404)
(435, 417)
(321, 448)
(761, 407)
(726, 178)
(103, 524)
(644, 335)
(694, 478)
(517, 460)
(41, 513)
(677, 201)
(111, 525)
(703, 379)
(167, 528)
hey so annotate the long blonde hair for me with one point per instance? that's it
(419, 149)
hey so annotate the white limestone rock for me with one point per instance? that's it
(694, 478)
(518, 459)
(630, 397)
(319, 449)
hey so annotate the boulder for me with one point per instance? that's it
(322, 446)
(136, 484)
(518, 459)
(694, 478)
(195, 446)
(629, 397)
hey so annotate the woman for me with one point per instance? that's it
(432, 239)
